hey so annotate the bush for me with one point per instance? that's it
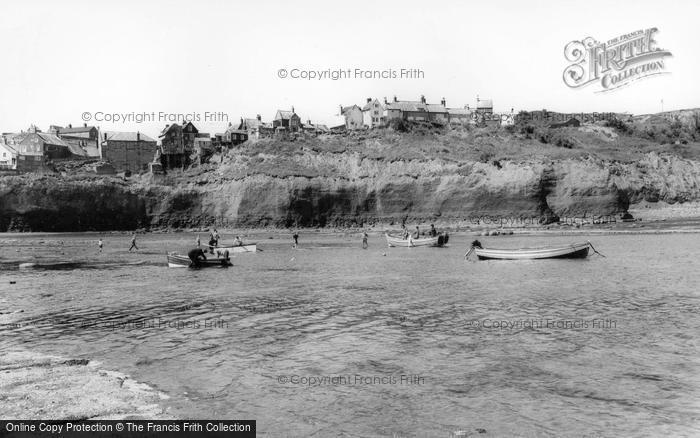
(619, 125)
(399, 125)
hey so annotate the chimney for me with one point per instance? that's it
(443, 102)
(259, 118)
(138, 136)
(395, 99)
(105, 136)
(422, 99)
(369, 99)
(292, 110)
(229, 124)
(84, 125)
(341, 109)
(70, 126)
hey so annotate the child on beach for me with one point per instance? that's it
(99, 244)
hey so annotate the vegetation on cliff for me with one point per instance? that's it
(416, 172)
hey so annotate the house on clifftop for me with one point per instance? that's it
(256, 128)
(177, 143)
(286, 121)
(373, 113)
(128, 151)
(85, 137)
(353, 117)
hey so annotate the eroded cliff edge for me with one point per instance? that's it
(362, 180)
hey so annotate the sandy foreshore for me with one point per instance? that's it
(35, 385)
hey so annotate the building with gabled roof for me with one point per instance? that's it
(8, 155)
(287, 121)
(373, 113)
(256, 128)
(353, 117)
(85, 137)
(171, 150)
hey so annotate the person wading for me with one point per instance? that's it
(364, 240)
(212, 240)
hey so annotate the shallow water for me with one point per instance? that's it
(333, 340)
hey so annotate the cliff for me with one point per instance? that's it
(382, 177)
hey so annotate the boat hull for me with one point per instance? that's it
(576, 251)
(182, 261)
(238, 249)
(393, 241)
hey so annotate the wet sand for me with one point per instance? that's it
(40, 386)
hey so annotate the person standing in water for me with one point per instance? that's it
(199, 241)
(99, 244)
(212, 241)
(364, 240)
(295, 236)
(133, 243)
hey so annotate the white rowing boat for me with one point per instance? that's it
(411, 242)
(235, 249)
(573, 251)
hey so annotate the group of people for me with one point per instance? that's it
(197, 255)
(416, 234)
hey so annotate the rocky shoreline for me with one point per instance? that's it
(34, 385)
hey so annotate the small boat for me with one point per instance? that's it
(397, 241)
(182, 261)
(573, 251)
(235, 249)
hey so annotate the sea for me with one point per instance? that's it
(330, 339)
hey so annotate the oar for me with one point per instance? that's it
(594, 250)
(466, 256)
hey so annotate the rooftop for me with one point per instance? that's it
(125, 136)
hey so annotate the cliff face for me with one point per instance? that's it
(50, 203)
(342, 189)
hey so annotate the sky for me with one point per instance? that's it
(164, 58)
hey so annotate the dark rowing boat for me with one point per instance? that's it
(182, 261)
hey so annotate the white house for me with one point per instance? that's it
(8, 155)
(373, 113)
